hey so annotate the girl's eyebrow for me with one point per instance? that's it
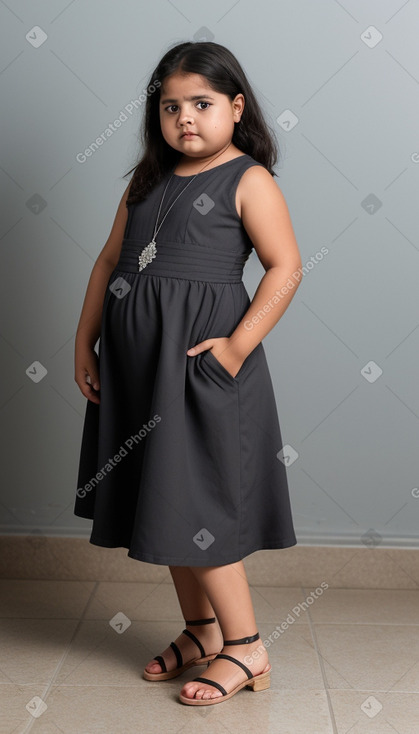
(189, 99)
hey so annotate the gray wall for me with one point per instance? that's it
(343, 358)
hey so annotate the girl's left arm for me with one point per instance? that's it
(266, 219)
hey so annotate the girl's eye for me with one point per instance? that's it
(203, 102)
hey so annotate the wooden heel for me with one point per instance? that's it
(260, 684)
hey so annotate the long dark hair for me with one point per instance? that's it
(224, 75)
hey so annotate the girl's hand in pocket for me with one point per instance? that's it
(219, 347)
(86, 364)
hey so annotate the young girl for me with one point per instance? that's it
(181, 451)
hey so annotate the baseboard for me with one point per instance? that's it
(369, 538)
(373, 566)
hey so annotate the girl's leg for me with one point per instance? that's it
(228, 591)
(193, 600)
(194, 604)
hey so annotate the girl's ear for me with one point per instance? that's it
(238, 103)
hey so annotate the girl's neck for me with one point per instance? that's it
(189, 166)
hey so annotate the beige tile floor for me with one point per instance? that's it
(348, 662)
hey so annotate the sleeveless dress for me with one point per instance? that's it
(180, 462)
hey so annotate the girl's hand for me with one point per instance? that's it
(220, 346)
(86, 365)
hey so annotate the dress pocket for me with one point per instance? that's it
(209, 358)
(216, 365)
(216, 370)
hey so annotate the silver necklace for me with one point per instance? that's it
(150, 252)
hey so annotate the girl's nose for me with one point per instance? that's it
(186, 118)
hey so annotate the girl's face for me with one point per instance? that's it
(187, 103)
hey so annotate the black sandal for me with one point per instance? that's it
(257, 682)
(181, 666)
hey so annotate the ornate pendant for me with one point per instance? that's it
(147, 255)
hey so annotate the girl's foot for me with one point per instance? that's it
(227, 673)
(209, 636)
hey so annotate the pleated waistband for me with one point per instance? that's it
(183, 260)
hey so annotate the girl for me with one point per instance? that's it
(181, 449)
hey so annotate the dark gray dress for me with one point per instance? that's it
(179, 461)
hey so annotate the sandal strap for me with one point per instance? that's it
(196, 641)
(175, 648)
(234, 660)
(200, 621)
(243, 640)
(218, 685)
(212, 683)
(178, 654)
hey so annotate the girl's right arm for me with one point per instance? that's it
(86, 361)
